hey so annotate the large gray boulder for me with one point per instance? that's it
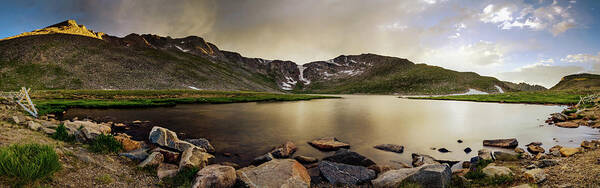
(349, 157)
(503, 143)
(430, 175)
(275, 173)
(338, 173)
(194, 157)
(167, 138)
(217, 176)
(86, 129)
(203, 143)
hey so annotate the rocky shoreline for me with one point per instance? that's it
(164, 154)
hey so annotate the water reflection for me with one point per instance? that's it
(252, 129)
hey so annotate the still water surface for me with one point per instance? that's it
(252, 129)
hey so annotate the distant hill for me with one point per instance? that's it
(525, 87)
(578, 81)
(69, 56)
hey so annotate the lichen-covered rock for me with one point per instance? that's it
(33, 125)
(194, 157)
(567, 152)
(275, 173)
(215, 176)
(328, 144)
(492, 170)
(170, 156)
(485, 154)
(338, 173)
(505, 156)
(87, 129)
(127, 142)
(535, 149)
(567, 124)
(167, 138)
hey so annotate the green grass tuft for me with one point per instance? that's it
(26, 163)
(62, 135)
(105, 144)
(536, 97)
(183, 178)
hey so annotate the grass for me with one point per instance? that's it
(62, 135)
(25, 164)
(183, 178)
(105, 179)
(105, 144)
(57, 101)
(568, 97)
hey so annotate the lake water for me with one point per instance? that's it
(252, 129)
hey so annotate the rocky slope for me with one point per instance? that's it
(68, 56)
(578, 81)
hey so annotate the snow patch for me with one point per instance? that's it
(286, 86)
(499, 89)
(352, 72)
(333, 62)
(472, 92)
(183, 50)
(301, 76)
(194, 88)
(263, 61)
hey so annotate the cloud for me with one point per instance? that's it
(582, 58)
(480, 56)
(553, 17)
(539, 73)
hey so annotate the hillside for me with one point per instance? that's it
(578, 81)
(69, 56)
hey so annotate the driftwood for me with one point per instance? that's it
(588, 100)
(22, 98)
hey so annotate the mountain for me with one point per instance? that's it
(525, 87)
(578, 81)
(69, 56)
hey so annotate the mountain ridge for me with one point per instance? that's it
(147, 61)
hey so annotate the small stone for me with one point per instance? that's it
(459, 141)
(203, 143)
(34, 126)
(166, 170)
(547, 163)
(48, 131)
(468, 150)
(519, 150)
(443, 150)
(127, 142)
(285, 150)
(328, 144)
(540, 156)
(588, 145)
(485, 154)
(215, 176)
(137, 155)
(170, 156)
(535, 149)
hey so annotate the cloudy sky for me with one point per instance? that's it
(533, 41)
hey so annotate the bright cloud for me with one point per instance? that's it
(582, 58)
(540, 73)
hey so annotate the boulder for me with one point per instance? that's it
(567, 124)
(217, 176)
(390, 147)
(87, 129)
(485, 154)
(285, 150)
(349, 157)
(503, 143)
(33, 125)
(328, 144)
(536, 175)
(166, 170)
(540, 156)
(505, 156)
(167, 138)
(136, 155)
(535, 149)
(338, 173)
(203, 143)
(567, 152)
(558, 117)
(420, 159)
(546, 163)
(154, 159)
(170, 156)
(306, 160)
(127, 142)
(194, 157)
(492, 170)
(275, 173)
(433, 175)
(555, 148)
